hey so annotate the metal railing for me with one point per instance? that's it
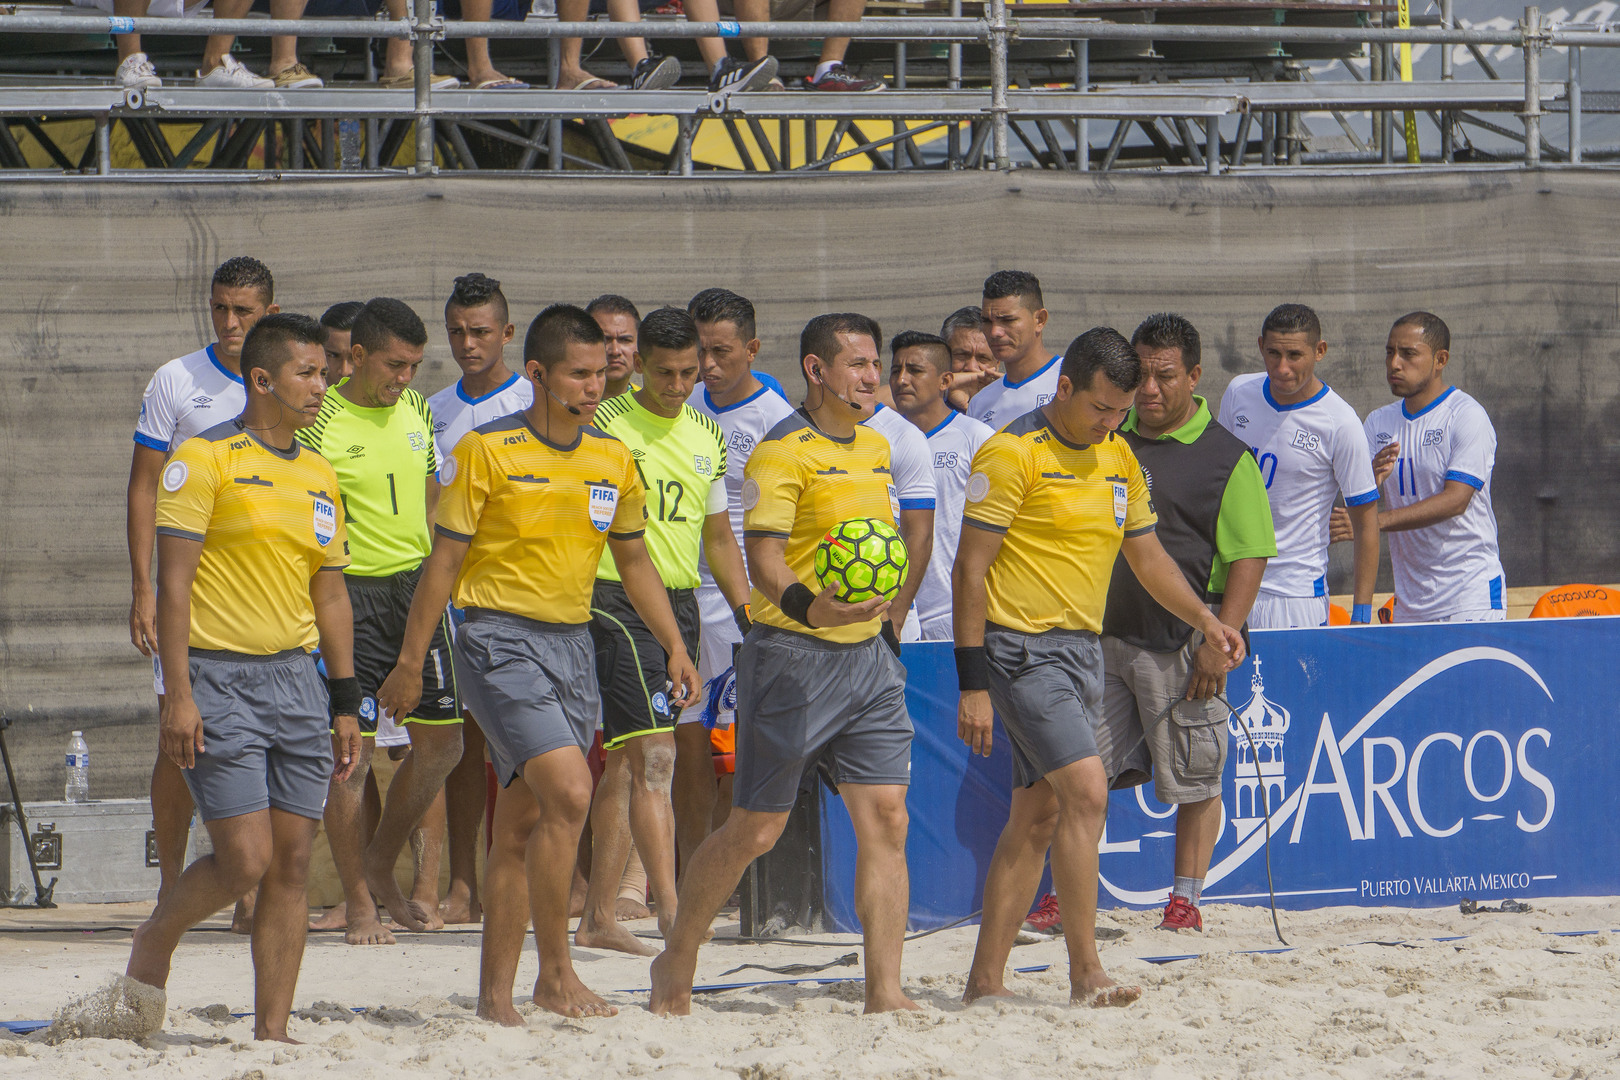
(1000, 105)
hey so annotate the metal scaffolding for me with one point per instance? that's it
(1182, 122)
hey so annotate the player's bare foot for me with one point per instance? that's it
(982, 987)
(499, 1011)
(334, 918)
(283, 1037)
(460, 907)
(671, 989)
(429, 907)
(566, 996)
(628, 909)
(1101, 992)
(592, 935)
(408, 913)
(890, 1001)
(368, 930)
(242, 917)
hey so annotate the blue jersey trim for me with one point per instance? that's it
(1361, 500)
(1431, 405)
(462, 394)
(1265, 388)
(147, 440)
(223, 370)
(765, 388)
(1472, 481)
(1032, 378)
(916, 504)
(941, 426)
(1496, 593)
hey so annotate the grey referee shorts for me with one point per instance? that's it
(1048, 690)
(1186, 749)
(531, 684)
(265, 734)
(799, 697)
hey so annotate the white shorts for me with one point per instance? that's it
(717, 634)
(390, 733)
(911, 629)
(1471, 615)
(939, 628)
(1274, 612)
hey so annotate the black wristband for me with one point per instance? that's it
(890, 638)
(744, 623)
(972, 668)
(345, 695)
(796, 601)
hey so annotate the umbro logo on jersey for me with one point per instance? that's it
(447, 701)
(638, 453)
(357, 451)
(1384, 437)
(1242, 421)
(440, 426)
(201, 399)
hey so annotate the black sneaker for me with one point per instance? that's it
(839, 79)
(656, 73)
(742, 75)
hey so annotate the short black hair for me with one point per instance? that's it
(383, 318)
(1293, 319)
(476, 290)
(667, 328)
(1019, 283)
(963, 318)
(1170, 331)
(1431, 327)
(266, 345)
(918, 339)
(1104, 349)
(341, 316)
(612, 304)
(723, 305)
(554, 329)
(245, 272)
(820, 335)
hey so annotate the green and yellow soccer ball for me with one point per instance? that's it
(862, 558)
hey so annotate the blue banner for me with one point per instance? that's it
(1411, 766)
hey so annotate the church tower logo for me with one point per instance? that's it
(1260, 771)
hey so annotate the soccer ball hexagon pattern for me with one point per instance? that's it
(862, 558)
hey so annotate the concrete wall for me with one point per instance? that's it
(102, 282)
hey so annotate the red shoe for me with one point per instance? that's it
(1181, 914)
(1045, 922)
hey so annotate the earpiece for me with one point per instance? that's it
(540, 378)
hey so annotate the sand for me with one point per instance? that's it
(1509, 999)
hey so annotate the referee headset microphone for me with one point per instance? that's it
(540, 376)
(822, 382)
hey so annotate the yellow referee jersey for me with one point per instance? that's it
(537, 516)
(799, 482)
(1064, 510)
(268, 523)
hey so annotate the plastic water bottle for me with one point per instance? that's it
(78, 770)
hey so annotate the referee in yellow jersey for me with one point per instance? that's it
(247, 521)
(1053, 498)
(815, 680)
(528, 502)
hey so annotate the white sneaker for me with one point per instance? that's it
(231, 75)
(137, 73)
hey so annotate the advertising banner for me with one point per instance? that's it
(1411, 766)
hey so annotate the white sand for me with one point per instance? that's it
(1500, 1003)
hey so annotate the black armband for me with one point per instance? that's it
(740, 613)
(890, 638)
(796, 601)
(972, 668)
(345, 695)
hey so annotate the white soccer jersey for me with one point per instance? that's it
(455, 414)
(1309, 453)
(952, 445)
(1452, 566)
(188, 396)
(743, 423)
(1002, 402)
(909, 459)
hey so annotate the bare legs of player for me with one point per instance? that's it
(337, 918)
(171, 820)
(882, 892)
(427, 851)
(634, 791)
(694, 791)
(346, 835)
(267, 848)
(538, 819)
(1063, 811)
(435, 750)
(465, 790)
